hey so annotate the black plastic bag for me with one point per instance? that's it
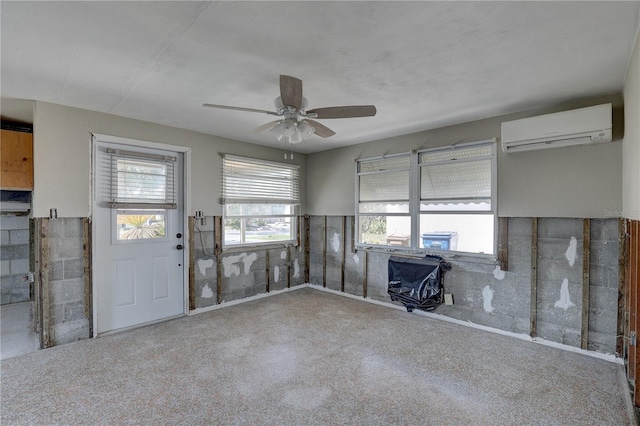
(417, 282)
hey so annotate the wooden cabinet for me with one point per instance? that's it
(16, 159)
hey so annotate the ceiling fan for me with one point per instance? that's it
(296, 124)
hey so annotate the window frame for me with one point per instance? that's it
(293, 202)
(415, 199)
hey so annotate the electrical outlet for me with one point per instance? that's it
(448, 299)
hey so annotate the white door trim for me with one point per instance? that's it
(186, 191)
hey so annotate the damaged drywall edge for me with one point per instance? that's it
(246, 299)
(520, 336)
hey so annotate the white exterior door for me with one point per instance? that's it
(138, 236)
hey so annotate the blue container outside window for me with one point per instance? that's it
(440, 240)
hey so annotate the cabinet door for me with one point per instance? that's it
(17, 160)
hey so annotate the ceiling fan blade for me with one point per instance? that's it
(291, 91)
(321, 130)
(263, 111)
(344, 111)
(267, 126)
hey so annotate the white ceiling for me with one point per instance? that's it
(423, 64)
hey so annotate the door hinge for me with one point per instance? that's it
(632, 338)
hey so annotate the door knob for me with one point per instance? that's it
(179, 246)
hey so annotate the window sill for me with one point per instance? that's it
(258, 247)
(448, 255)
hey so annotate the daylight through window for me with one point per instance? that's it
(439, 199)
(260, 199)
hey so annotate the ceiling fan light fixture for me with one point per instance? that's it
(296, 137)
(287, 127)
(305, 130)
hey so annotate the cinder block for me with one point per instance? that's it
(5, 267)
(605, 343)
(604, 253)
(604, 276)
(494, 319)
(520, 227)
(19, 236)
(66, 248)
(56, 228)
(603, 299)
(20, 266)
(556, 249)
(70, 331)
(20, 295)
(13, 282)
(74, 311)
(5, 296)
(73, 268)
(4, 238)
(67, 290)
(56, 270)
(73, 227)
(14, 222)
(564, 228)
(57, 313)
(604, 230)
(15, 252)
(519, 247)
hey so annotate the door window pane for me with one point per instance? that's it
(140, 225)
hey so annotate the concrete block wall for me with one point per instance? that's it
(69, 320)
(205, 263)
(14, 284)
(243, 273)
(336, 237)
(486, 295)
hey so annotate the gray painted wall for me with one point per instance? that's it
(62, 158)
(631, 144)
(582, 181)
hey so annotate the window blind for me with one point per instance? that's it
(139, 180)
(460, 175)
(251, 181)
(384, 180)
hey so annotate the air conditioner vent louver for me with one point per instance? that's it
(576, 127)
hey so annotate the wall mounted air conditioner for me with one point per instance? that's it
(567, 128)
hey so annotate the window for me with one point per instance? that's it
(383, 205)
(437, 199)
(142, 187)
(260, 199)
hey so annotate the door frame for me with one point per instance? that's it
(186, 207)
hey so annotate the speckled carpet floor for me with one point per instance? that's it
(309, 357)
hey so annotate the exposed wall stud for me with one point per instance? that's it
(503, 243)
(534, 277)
(622, 328)
(88, 283)
(45, 336)
(217, 229)
(307, 221)
(324, 252)
(364, 274)
(192, 257)
(344, 251)
(267, 269)
(586, 262)
(288, 266)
